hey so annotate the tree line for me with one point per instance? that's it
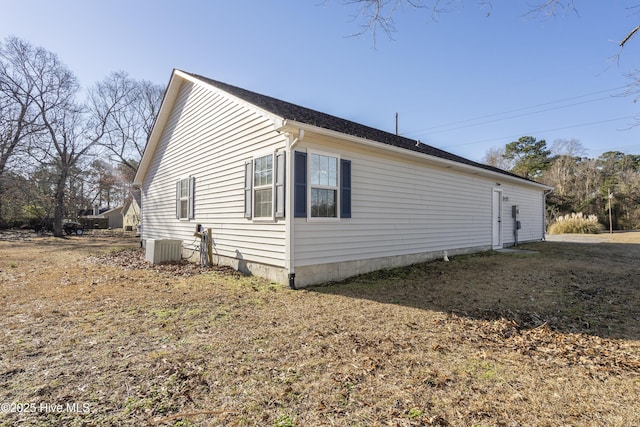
(62, 149)
(581, 184)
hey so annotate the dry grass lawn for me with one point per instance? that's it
(90, 335)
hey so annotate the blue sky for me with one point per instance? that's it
(464, 82)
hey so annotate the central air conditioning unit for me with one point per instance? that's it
(163, 250)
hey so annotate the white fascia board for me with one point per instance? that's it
(166, 107)
(292, 126)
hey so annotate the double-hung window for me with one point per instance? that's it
(323, 180)
(264, 178)
(321, 186)
(185, 198)
(263, 187)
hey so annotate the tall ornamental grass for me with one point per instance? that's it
(576, 223)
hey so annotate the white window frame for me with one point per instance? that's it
(256, 188)
(310, 186)
(188, 198)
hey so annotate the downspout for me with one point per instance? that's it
(290, 220)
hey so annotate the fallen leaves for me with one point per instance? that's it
(133, 259)
(535, 338)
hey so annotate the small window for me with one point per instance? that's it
(323, 178)
(184, 198)
(264, 192)
(263, 187)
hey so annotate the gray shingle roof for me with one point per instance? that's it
(294, 112)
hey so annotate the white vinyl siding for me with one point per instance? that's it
(404, 206)
(531, 214)
(210, 136)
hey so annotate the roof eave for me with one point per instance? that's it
(294, 126)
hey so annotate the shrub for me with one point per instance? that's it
(576, 223)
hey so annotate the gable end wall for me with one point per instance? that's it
(210, 137)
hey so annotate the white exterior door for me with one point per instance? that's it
(496, 213)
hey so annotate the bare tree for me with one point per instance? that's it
(19, 117)
(495, 157)
(629, 189)
(107, 183)
(41, 113)
(42, 119)
(68, 134)
(128, 108)
(378, 15)
(562, 171)
(553, 7)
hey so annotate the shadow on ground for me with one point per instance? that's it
(591, 288)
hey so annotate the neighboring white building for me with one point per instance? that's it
(303, 197)
(111, 218)
(114, 216)
(131, 215)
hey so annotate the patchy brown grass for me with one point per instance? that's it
(494, 339)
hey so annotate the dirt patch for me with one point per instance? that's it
(92, 335)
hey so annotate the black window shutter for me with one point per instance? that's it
(280, 180)
(345, 188)
(300, 185)
(248, 188)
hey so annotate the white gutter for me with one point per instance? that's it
(288, 125)
(290, 219)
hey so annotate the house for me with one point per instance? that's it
(114, 217)
(131, 211)
(302, 197)
(101, 218)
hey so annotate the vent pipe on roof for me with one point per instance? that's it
(396, 123)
